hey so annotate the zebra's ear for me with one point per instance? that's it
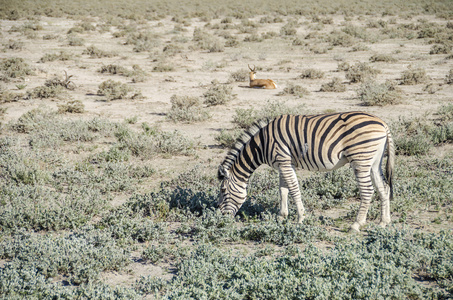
(222, 173)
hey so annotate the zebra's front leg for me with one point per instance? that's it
(289, 184)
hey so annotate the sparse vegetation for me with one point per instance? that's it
(104, 199)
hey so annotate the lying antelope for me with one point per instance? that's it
(260, 83)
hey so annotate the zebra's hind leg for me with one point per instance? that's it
(384, 193)
(289, 183)
(363, 176)
(283, 197)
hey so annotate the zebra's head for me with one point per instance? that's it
(232, 192)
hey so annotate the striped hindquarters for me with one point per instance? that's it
(326, 142)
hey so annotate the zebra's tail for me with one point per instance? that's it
(390, 162)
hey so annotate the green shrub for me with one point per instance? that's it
(414, 76)
(382, 58)
(227, 138)
(113, 90)
(373, 93)
(74, 40)
(14, 67)
(445, 112)
(62, 56)
(206, 41)
(295, 90)
(361, 72)
(239, 76)
(312, 74)
(335, 85)
(80, 256)
(44, 92)
(6, 96)
(186, 109)
(218, 94)
(142, 41)
(440, 49)
(94, 52)
(74, 106)
(244, 118)
(340, 38)
(449, 77)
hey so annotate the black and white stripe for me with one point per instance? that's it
(317, 143)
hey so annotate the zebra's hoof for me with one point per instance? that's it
(383, 224)
(355, 227)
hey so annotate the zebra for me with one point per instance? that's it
(316, 143)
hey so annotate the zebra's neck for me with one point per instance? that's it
(248, 160)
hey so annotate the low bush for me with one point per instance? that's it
(74, 106)
(240, 76)
(94, 52)
(244, 118)
(61, 56)
(373, 93)
(382, 58)
(449, 77)
(14, 68)
(187, 109)
(361, 72)
(113, 90)
(227, 138)
(218, 94)
(414, 76)
(312, 74)
(295, 90)
(206, 41)
(335, 85)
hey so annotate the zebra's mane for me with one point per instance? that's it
(242, 141)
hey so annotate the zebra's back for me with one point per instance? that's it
(325, 142)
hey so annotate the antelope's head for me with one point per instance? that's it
(252, 72)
